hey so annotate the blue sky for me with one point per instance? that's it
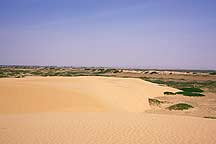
(115, 33)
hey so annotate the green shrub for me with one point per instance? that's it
(169, 93)
(180, 106)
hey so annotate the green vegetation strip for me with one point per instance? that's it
(15, 72)
(180, 106)
(189, 88)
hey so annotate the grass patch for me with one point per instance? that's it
(169, 93)
(155, 102)
(180, 106)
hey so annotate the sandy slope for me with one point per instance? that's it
(100, 110)
(105, 128)
(79, 94)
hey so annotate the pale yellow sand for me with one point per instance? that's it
(92, 110)
(79, 94)
(105, 128)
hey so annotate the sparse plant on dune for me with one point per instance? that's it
(180, 106)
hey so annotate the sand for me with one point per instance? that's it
(105, 128)
(92, 110)
(77, 94)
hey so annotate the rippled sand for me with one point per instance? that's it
(105, 128)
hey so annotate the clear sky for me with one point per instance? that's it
(112, 33)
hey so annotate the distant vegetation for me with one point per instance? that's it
(180, 106)
(22, 71)
(188, 86)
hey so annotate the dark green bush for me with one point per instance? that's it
(154, 101)
(180, 106)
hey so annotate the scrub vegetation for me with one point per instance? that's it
(22, 71)
(189, 88)
(155, 102)
(180, 106)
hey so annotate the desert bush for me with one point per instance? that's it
(180, 106)
(154, 101)
(116, 71)
(153, 72)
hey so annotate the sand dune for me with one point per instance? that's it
(105, 128)
(92, 110)
(78, 94)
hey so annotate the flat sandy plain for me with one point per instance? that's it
(93, 110)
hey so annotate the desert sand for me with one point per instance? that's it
(105, 128)
(78, 94)
(92, 110)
